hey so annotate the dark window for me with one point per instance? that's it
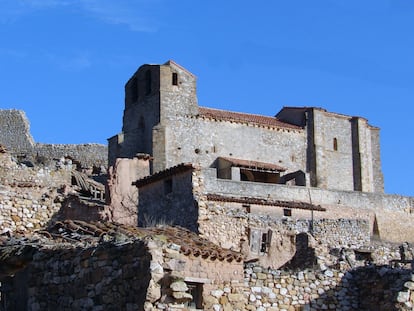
(247, 207)
(168, 186)
(335, 144)
(195, 290)
(174, 78)
(266, 238)
(148, 82)
(260, 241)
(287, 212)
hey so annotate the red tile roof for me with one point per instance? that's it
(239, 117)
(183, 167)
(189, 242)
(254, 164)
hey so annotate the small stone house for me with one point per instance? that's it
(77, 265)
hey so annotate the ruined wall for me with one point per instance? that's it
(88, 155)
(148, 274)
(366, 288)
(14, 130)
(122, 194)
(28, 195)
(15, 136)
(230, 226)
(168, 201)
(81, 279)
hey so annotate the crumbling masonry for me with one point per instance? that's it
(203, 209)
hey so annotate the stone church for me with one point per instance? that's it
(248, 182)
(308, 145)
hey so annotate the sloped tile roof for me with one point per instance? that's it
(189, 242)
(254, 164)
(17, 252)
(163, 174)
(224, 115)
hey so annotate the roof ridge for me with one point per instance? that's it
(220, 114)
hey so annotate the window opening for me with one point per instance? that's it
(195, 290)
(246, 207)
(287, 212)
(266, 237)
(167, 186)
(335, 144)
(260, 241)
(174, 78)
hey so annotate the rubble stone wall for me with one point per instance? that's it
(15, 136)
(83, 279)
(232, 228)
(14, 130)
(147, 274)
(366, 288)
(88, 155)
(28, 195)
(24, 212)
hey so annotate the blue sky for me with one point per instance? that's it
(65, 62)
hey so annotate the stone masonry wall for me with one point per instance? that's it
(334, 168)
(168, 201)
(28, 195)
(367, 288)
(15, 136)
(83, 279)
(88, 155)
(284, 147)
(389, 209)
(135, 274)
(230, 225)
(14, 130)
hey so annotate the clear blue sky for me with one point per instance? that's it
(65, 62)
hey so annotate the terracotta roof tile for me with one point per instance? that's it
(254, 164)
(189, 242)
(239, 117)
(163, 174)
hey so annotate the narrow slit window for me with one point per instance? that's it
(335, 144)
(174, 78)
